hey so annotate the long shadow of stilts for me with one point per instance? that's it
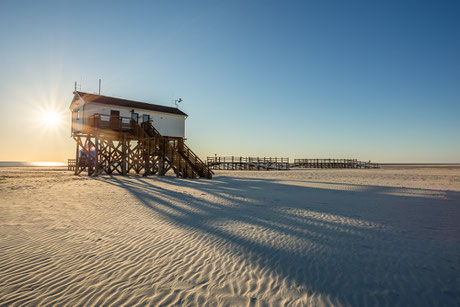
(355, 239)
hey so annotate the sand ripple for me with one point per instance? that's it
(234, 241)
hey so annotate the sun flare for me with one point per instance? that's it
(51, 118)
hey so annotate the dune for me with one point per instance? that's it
(387, 236)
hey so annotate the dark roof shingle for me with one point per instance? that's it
(92, 98)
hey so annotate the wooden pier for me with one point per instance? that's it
(258, 163)
(247, 163)
(332, 163)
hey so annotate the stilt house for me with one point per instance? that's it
(120, 135)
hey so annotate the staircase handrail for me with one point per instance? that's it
(204, 166)
(187, 152)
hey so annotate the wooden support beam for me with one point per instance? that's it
(96, 156)
(145, 153)
(77, 161)
(123, 155)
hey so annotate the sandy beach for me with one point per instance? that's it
(388, 236)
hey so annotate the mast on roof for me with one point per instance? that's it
(177, 101)
(77, 86)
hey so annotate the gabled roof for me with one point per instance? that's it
(92, 98)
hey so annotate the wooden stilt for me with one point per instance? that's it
(77, 161)
(123, 155)
(96, 156)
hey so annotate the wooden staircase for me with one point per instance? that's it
(178, 156)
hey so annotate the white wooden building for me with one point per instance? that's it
(169, 121)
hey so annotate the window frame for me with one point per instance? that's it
(137, 116)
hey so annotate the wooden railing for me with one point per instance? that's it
(202, 168)
(118, 123)
(148, 127)
(71, 164)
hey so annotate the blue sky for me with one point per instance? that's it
(362, 79)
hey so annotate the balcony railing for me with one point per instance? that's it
(118, 123)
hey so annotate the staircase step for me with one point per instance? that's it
(183, 160)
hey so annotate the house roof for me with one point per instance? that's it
(92, 98)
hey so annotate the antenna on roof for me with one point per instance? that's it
(177, 101)
(76, 86)
(99, 87)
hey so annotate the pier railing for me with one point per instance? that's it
(332, 163)
(247, 163)
(258, 163)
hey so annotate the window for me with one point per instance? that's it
(78, 115)
(145, 118)
(135, 117)
(114, 114)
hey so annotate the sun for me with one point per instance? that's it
(51, 118)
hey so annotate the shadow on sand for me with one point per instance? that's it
(356, 244)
